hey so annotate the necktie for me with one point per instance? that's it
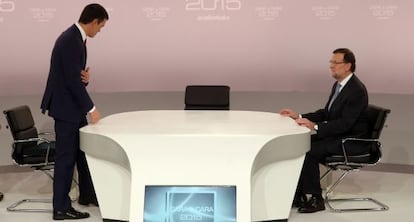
(337, 89)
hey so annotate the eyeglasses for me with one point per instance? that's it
(335, 62)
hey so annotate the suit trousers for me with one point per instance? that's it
(67, 154)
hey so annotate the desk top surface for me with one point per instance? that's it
(180, 122)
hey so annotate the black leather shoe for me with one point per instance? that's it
(86, 201)
(299, 200)
(70, 214)
(313, 205)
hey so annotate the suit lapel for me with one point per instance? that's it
(342, 94)
(79, 37)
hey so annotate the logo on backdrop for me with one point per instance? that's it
(382, 12)
(212, 10)
(269, 13)
(325, 12)
(156, 14)
(42, 14)
(6, 6)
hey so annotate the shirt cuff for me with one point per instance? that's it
(93, 109)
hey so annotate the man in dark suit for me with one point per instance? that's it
(68, 102)
(344, 115)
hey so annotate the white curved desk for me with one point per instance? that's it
(259, 153)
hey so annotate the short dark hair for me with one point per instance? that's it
(91, 12)
(349, 57)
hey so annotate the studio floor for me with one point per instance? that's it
(390, 184)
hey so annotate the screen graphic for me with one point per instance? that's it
(190, 203)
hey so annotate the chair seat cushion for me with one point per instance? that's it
(35, 154)
(363, 158)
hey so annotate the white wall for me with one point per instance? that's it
(252, 45)
(396, 138)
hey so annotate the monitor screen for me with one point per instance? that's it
(190, 203)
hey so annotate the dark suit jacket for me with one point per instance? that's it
(65, 95)
(347, 116)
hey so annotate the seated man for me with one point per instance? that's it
(344, 115)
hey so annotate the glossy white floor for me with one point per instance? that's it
(393, 185)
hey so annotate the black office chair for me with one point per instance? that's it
(350, 163)
(30, 148)
(207, 97)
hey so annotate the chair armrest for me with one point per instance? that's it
(49, 135)
(35, 139)
(46, 133)
(359, 139)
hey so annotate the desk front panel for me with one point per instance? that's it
(217, 148)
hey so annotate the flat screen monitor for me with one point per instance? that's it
(190, 204)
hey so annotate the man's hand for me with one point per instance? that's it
(305, 122)
(95, 116)
(290, 113)
(85, 75)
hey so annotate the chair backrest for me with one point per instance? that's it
(21, 122)
(22, 126)
(376, 118)
(207, 97)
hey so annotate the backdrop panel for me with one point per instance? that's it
(251, 45)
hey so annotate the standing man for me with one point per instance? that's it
(344, 115)
(68, 102)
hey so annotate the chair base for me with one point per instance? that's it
(381, 206)
(47, 171)
(14, 207)
(329, 192)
